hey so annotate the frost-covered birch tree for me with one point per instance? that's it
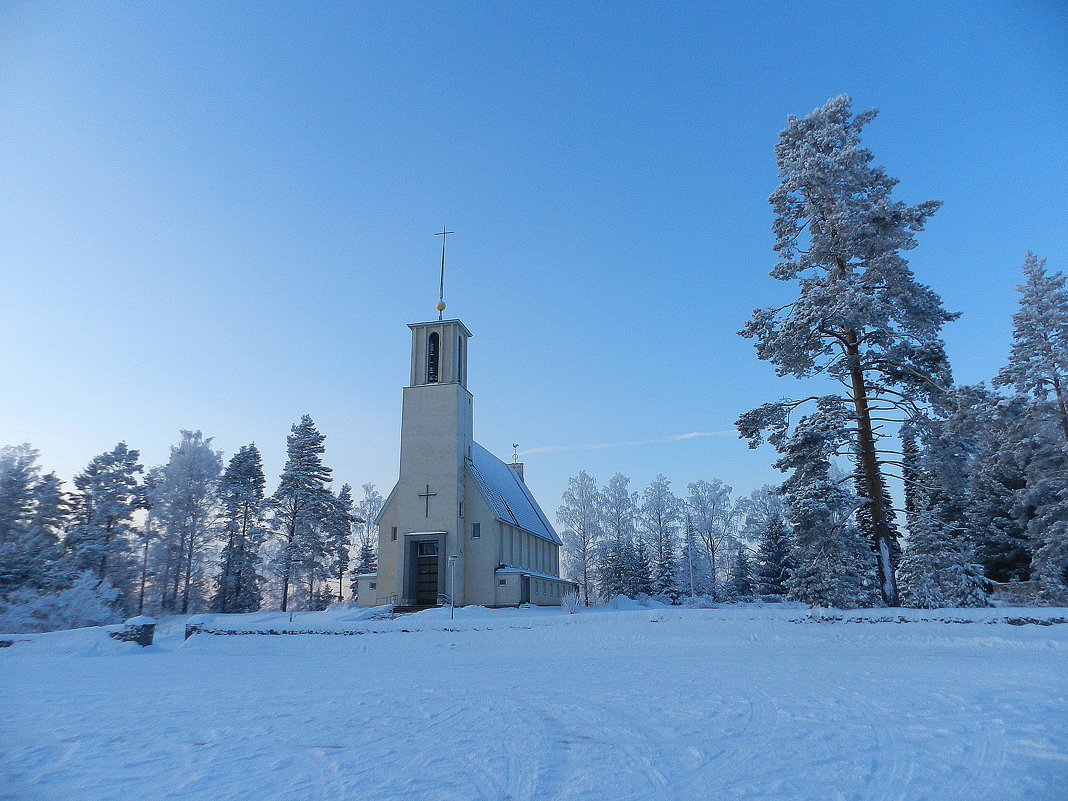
(615, 559)
(366, 534)
(660, 515)
(579, 518)
(709, 514)
(184, 507)
(860, 318)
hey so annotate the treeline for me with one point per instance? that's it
(187, 536)
(704, 545)
(984, 471)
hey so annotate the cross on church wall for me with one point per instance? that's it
(428, 495)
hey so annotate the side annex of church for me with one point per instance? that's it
(460, 526)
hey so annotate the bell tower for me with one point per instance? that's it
(436, 433)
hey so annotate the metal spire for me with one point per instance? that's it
(441, 286)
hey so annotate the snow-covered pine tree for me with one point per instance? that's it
(609, 564)
(107, 494)
(998, 512)
(579, 518)
(1046, 502)
(299, 501)
(660, 515)
(1038, 362)
(711, 513)
(33, 510)
(184, 507)
(835, 567)
(639, 579)
(939, 567)
(51, 515)
(337, 535)
(241, 494)
(742, 584)
(766, 524)
(861, 317)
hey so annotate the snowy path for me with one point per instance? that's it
(670, 704)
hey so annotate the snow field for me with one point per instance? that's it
(534, 704)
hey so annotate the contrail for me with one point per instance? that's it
(597, 446)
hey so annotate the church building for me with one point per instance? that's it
(460, 526)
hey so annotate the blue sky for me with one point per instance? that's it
(221, 216)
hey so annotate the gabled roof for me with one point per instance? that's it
(507, 495)
(385, 505)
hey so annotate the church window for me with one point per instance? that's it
(476, 530)
(373, 585)
(393, 534)
(502, 582)
(428, 549)
(432, 358)
(459, 358)
(461, 509)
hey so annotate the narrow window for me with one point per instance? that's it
(432, 358)
(459, 358)
(373, 585)
(393, 534)
(502, 582)
(476, 530)
(461, 509)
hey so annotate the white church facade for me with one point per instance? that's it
(460, 526)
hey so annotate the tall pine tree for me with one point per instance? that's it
(107, 494)
(299, 502)
(241, 494)
(861, 317)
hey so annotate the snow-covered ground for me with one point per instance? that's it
(635, 703)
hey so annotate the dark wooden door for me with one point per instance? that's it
(525, 595)
(426, 581)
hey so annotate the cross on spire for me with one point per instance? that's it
(441, 286)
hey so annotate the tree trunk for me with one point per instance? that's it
(188, 575)
(224, 585)
(144, 573)
(873, 479)
(1061, 404)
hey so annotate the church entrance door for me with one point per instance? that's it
(525, 595)
(426, 574)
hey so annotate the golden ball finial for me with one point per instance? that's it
(440, 305)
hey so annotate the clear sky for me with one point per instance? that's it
(221, 216)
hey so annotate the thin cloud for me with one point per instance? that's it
(598, 446)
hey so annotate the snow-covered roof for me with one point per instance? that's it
(507, 495)
(532, 573)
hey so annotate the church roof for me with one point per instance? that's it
(507, 495)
